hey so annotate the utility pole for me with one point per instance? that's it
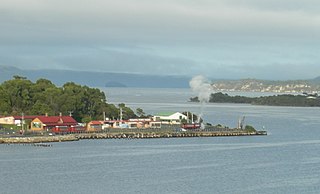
(22, 123)
(187, 116)
(192, 118)
(121, 114)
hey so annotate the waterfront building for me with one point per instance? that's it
(170, 117)
(46, 123)
(15, 120)
(95, 126)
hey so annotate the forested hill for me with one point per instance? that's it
(97, 79)
(20, 95)
(276, 100)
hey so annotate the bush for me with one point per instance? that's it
(249, 128)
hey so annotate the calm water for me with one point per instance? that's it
(285, 161)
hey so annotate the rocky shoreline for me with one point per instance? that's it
(37, 139)
(122, 135)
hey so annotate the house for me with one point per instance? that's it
(139, 123)
(46, 123)
(121, 124)
(15, 120)
(9, 120)
(170, 117)
(95, 125)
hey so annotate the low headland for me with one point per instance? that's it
(31, 117)
(304, 100)
(127, 134)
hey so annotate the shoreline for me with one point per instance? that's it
(123, 135)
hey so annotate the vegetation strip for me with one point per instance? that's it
(276, 100)
(21, 95)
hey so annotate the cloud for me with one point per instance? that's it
(216, 38)
(155, 21)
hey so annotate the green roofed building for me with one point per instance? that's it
(170, 117)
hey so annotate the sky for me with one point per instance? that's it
(220, 39)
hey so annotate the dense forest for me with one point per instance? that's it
(276, 100)
(20, 95)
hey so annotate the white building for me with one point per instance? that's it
(15, 120)
(170, 118)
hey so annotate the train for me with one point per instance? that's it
(68, 129)
(191, 126)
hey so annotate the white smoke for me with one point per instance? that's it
(200, 85)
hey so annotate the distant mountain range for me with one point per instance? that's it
(97, 79)
(107, 79)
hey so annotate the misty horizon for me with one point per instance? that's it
(145, 74)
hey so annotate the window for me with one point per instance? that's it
(36, 125)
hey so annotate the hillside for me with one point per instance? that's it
(108, 79)
(254, 85)
(97, 79)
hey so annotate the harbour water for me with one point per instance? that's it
(285, 161)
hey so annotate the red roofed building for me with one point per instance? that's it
(48, 122)
(95, 126)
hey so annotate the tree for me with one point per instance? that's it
(4, 101)
(40, 109)
(140, 112)
(21, 95)
(127, 113)
(18, 94)
(250, 128)
(18, 77)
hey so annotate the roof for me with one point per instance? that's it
(96, 122)
(165, 114)
(25, 117)
(57, 120)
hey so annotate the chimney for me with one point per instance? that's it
(60, 114)
(46, 114)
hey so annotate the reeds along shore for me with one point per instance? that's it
(122, 135)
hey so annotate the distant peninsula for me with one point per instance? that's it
(255, 85)
(112, 84)
(112, 79)
(96, 79)
(276, 100)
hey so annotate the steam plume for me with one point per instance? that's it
(200, 85)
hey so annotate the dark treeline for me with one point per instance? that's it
(20, 95)
(277, 100)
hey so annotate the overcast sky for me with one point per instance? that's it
(265, 39)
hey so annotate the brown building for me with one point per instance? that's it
(46, 123)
